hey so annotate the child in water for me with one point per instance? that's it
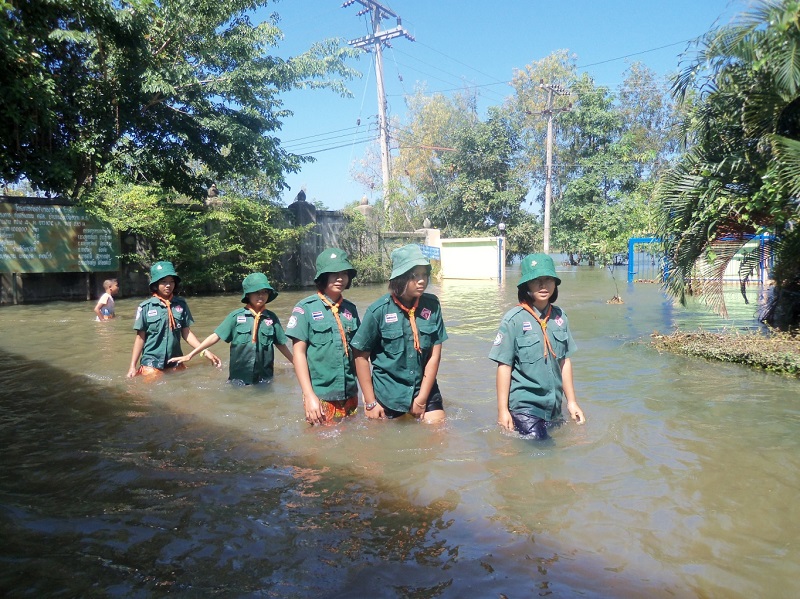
(104, 308)
(160, 323)
(321, 327)
(253, 332)
(532, 349)
(402, 335)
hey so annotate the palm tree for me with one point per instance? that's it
(740, 172)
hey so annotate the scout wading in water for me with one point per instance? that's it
(161, 322)
(321, 327)
(532, 349)
(402, 335)
(253, 332)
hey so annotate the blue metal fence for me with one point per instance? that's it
(646, 263)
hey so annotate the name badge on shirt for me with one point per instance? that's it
(317, 315)
(152, 313)
(392, 317)
(527, 326)
(241, 318)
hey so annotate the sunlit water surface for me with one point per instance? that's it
(684, 481)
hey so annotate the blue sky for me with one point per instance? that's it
(469, 42)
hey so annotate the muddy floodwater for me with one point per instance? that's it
(685, 481)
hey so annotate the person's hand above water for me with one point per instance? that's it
(504, 419)
(214, 359)
(418, 407)
(575, 412)
(313, 408)
(376, 412)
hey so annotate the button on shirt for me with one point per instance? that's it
(385, 332)
(160, 342)
(251, 362)
(333, 375)
(536, 384)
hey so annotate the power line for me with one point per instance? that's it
(347, 145)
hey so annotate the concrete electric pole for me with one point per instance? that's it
(374, 43)
(552, 90)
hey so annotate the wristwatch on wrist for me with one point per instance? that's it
(370, 406)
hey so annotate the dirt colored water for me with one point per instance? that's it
(684, 481)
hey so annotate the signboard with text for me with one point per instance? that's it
(36, 238)
(430, 252)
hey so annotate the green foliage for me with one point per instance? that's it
(359, 239)
(739, 175)
(212, 248)
(608, 151)
(149, 90)
(523, 237)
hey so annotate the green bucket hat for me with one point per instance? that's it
(334, 260)
(256, 282)
(535, 266)
(162, 269)
(406, 258)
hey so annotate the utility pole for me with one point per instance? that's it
(374, 42)
(552, 90)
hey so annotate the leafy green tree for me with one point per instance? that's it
(147, 89)
(214, 247)
(739, 174)
(477, 185)
(607, 152)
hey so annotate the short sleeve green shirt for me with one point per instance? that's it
(333, 375)
(536, 384)
(251, 362)
(397, 368)
(160, 342)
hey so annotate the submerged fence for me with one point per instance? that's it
(648, 264)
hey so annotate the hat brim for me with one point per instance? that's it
(403, 268)
(536, 275)
(272, 294)
(338, 266)
(155, 283)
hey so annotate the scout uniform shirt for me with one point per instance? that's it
(251, 362)
(397, 368)
(333, 375)
(536, 384)
(160, 342)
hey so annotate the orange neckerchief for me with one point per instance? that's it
(168, 304)
(334, 306)
(411, 319)
(542, 323)
(256, 320)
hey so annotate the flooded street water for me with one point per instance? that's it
(684, 481)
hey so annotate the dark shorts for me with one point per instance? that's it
(533, 426)
(434, 403)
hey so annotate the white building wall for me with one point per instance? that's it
(473, 258)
